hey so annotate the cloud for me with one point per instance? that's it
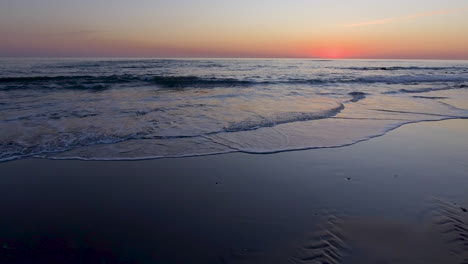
(405, 18)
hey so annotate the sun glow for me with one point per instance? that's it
(332, 53)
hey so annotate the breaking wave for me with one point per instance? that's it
(76, 82)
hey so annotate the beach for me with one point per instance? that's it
(398, 198)
(233, 132)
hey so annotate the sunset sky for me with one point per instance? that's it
(416, 29)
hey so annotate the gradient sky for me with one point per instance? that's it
(412, 29)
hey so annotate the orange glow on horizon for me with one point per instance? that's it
(333, 53)
(334, 48)
(349, 44)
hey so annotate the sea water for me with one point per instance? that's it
(119, 109)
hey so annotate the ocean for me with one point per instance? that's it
(131, 109)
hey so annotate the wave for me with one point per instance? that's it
(400, 68)
(99, 83)
(62, 152)
(357, 96)
(10, 150)
(193, 81)
(279, 119)
(426, 90)
(226, 140)
(104, 82)
(16, 150)
(431, 97)
(403, 79)
(42, 79)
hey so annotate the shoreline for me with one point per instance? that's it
(384, 198)
(389, 130)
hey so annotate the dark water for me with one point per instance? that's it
(102, 109)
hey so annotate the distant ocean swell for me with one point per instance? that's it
(104, 82)
(409, 68)
(138, 109)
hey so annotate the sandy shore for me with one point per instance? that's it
(400, 198)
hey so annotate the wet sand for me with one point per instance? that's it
(400, 198)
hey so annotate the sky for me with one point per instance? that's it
(398, 29)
